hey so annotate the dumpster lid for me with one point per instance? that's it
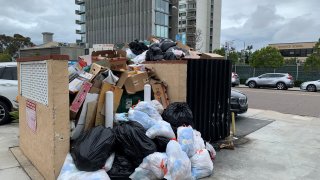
(41, 58)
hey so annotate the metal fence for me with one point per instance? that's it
(208, 94)
(298, 72)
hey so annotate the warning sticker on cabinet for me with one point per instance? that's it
(31, 115)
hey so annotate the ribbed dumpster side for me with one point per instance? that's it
(208, 95)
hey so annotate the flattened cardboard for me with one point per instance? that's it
(175, 76)
(91, 115)
(136, 82)
(160, 94)
(81, 96)
(122, 79)
(117, 93)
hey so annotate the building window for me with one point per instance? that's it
(182, 6)
(162, 6)
(162, 19)
(162, 31)
(192, 6)
(182, 14)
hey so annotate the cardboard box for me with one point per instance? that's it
(135, 83)
(117, 93)
(160, 94)
(95, 69)
(117, 64)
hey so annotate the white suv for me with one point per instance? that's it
(8, 90)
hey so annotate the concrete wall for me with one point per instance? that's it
(217, 6)
(72, 52)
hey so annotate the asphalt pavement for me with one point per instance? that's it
(292, 101)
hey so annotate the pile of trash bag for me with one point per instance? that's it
(164, 49)
(142, 146)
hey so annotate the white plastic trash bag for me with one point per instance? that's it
(140, 58)
(198, 141)
(121, 117)
(110, 78)
(211, 150)
(158, 106)
(161, 128)
(148, 108)
(153, 166)
(141, 117)
(185, 139)
(109, 162)
(201, 164)
(70, 172)
(178, 165)
(130, 54)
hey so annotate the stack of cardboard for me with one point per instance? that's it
(108, 71)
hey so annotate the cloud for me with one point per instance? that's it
(32, 17)
(271, 22)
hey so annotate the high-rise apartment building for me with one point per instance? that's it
(118, 21)
(201, 21)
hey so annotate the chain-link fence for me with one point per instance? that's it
(298, 72)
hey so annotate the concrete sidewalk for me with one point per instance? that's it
(9, 166)
(288, 148)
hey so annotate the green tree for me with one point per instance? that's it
(11, 44)
(266, 57)
(233, 55)
(5, 57)
(313, 61)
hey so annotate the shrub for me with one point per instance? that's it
(297, 83)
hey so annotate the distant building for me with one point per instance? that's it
(50, 47)
(299, 50)
(201, 21)
(120, 21)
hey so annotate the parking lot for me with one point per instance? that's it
(285, 101)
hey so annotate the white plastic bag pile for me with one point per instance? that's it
(148, 115)
(70, 172)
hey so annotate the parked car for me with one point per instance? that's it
(8, 90)
(238, 102)
(235, 79)
(311, 86)
(280, 81)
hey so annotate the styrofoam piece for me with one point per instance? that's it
(109, 109)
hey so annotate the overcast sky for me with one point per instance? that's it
(255, 22)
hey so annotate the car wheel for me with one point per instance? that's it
(311, 88)
(252, 84)
(4, 113)
(281, 86)
(233, 85)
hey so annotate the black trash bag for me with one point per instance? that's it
(169, 56)
(178, 114)
(133, 142)
(161, 143)
(166, 44)
(154, 53)
(91, 150)
(122, 168)
(137, 47)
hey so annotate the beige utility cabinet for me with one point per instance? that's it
(44, 124)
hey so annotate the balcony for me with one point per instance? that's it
(80, 22)
(80, 32)
(79, 12)
(79, 2)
